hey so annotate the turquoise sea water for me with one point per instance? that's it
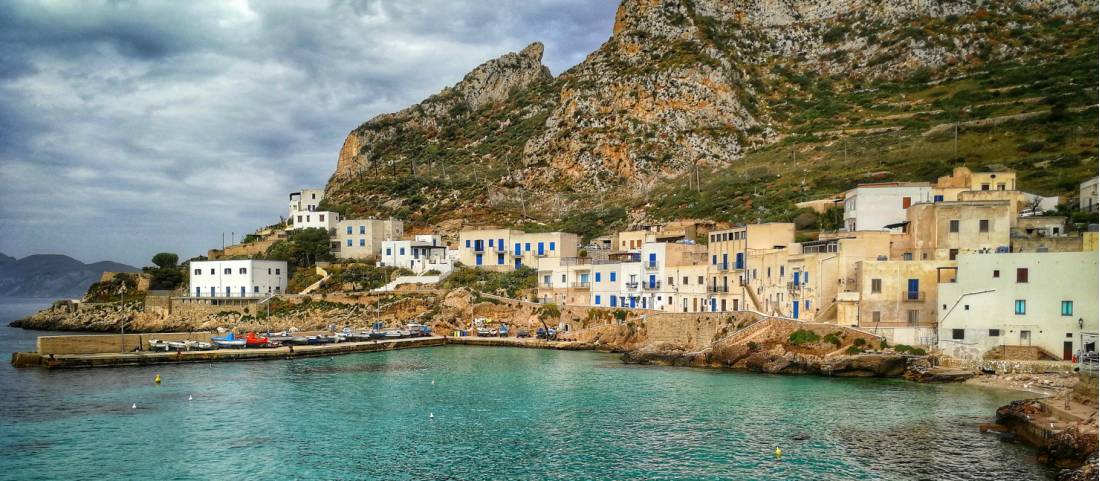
(499, 413)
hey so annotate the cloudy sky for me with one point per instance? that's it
(133, 127)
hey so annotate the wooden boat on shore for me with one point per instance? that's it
(158, 345)
(228, 341)
(252, 340)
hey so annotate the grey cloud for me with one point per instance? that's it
(127, 128)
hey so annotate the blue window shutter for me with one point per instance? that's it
(467, 243)
(517, 249)
(714, 259)
(349, 242)
(612, 277)
(527, 246)
(500, 244)
(551, 246)
(500, 259)
(597, 300)
(349, 229)
(490, 243)
(597, 279)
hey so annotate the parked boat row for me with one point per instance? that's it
(285, 338)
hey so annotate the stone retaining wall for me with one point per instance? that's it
(109, 343)
(1006, 367)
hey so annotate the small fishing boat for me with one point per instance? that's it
(199, 346)
(228, 341)
(394, 334)
(252, 340)
(503, 331)
(484, 332)
(179, 346)
(158, 345)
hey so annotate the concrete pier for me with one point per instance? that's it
(64, 361)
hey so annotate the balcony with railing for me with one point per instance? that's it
(478, 247)
(632, 285)
(651, 265)
(912, 296)
(649, 286)
(722, 266)
(714, 289)
(579, 285)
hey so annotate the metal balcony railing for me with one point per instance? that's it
(718, 289)
(579, 285)
(912, 296)
(651, 285)
(632, 285)
(722, 266)
(651, 266)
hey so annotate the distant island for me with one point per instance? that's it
(51, 275)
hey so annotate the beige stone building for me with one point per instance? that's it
(943, 230)
(362, 238)
(727, 253)
(506, 249)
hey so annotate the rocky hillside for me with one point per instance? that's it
(737, 109)
(51, 275)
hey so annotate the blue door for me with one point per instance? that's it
(914, 289)
(478, 260)
(794, 309)
(796, 277)
(541, 250)
(643, 303)
(652, 260)
(614, 301)
(713, 305)
(633, 302)
(652, 281)
(242, 291)
(198, 292)
(227, 291)
(519, 263)
(725, 261)
(740, 260)
(212, 293)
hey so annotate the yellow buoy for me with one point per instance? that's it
(778, 452)
(157, 380)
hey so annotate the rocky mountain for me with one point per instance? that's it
(737, 109)
(51, 275)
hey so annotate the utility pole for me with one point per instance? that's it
(956, 139)
(122, 320)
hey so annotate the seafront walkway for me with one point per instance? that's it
(62, 361)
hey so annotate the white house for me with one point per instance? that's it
(305, 200)
(424, 253)
(876, 206)
(1042, 299)
(237, 278)
(1089, 196)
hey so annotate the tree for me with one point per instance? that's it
(303, 248)
(548, 312)
(166, 260)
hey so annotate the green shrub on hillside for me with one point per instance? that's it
(508, 283)
(802, 336)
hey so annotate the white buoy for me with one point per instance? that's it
(431, 415)
(433, 382)
(189, 398)
(134, 406)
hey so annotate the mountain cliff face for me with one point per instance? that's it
(685, 91)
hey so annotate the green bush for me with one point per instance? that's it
(905, 349)
(753, 346)
(859, 342)
(501, 283)
(802, 336)
(853, 350)
(833, 338)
